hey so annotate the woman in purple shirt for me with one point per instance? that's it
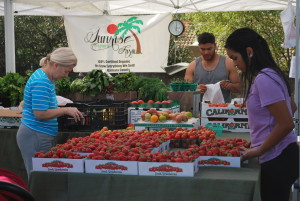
(270, 113)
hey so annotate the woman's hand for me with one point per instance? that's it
(74, 112)
(225, 84)
(250, 153)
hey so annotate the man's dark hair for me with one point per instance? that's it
(206, 37)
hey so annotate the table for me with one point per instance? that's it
(10, 156)
(209, 184)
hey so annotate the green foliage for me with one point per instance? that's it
(266, 23)
(62, 86)
(124, 82)
(12, 89)
(95, 83)
(151, 89)
(36, 36)
(77, 85)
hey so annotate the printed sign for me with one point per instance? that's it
(119, 44)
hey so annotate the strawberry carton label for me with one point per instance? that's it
(222, 161)
(168, 169)
(58, 165)
(111, 167)
(223, 110)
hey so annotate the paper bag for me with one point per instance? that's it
(213, 93)
(62, 101)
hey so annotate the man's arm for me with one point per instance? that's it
(189, 72)
(234, 85)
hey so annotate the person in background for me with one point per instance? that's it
(211, 68)
(39, 125)
(270, 113)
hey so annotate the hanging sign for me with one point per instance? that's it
(119, 44)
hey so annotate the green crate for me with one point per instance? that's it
(215, 127)
(175, 86)
(183, 86)
(193, 87)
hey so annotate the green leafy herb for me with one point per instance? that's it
(151, 89)
(124, 82)
(95, 83)
(62, 86)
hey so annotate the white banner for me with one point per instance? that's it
(119, 44)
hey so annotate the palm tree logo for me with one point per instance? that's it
(129, 25)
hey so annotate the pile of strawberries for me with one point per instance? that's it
(131, 145)
(223, 147)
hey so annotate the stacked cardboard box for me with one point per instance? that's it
(10, 117)
(231, 117)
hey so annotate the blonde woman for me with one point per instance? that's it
(40, 111)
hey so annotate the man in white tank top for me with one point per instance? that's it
(211, 68)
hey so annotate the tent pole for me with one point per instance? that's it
(297, 72)
(10, 64)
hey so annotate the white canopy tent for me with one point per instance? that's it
(9, 8)
(125, 7)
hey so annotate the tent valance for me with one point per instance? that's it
(121, 7)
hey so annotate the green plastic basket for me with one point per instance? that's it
(193, 87)
(217, 128)
(183, 86)
(175, 86)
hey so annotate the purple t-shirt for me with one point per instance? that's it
(266, 90)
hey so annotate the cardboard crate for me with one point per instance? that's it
(111, 167)
(228, 112)
(220, 161)
(168, 169)
(58, 165)
(10, 117)
(228, 124)
(134, 114)
(142, 125)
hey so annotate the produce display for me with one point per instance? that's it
(154, 104)
(178, 84)
(222, 147)
(127, 151)
(225, 104)
(154, 116)
(137, 145)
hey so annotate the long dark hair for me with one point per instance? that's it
(262, 58)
